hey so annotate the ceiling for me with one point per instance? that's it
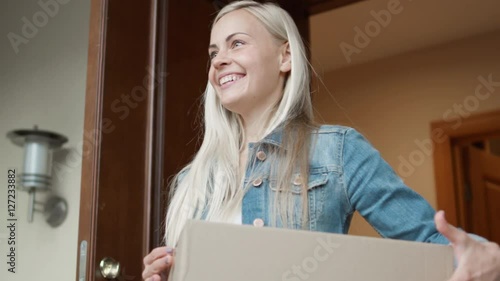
(419, 24)
(312, 6)
(319, 6)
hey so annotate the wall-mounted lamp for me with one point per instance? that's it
(36, 176)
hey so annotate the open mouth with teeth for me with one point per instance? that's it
(228, 80)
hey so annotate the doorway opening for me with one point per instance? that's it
(467, 171)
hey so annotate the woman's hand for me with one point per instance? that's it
(476, 260)
(157, 264)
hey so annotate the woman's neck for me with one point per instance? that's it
(253, 127)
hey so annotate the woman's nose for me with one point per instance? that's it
(221, 59)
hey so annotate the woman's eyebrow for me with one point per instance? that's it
(227, 39)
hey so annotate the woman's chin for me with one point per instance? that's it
(232, 105)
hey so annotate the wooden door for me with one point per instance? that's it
(448, 141)
(484, 183)
(121, 110)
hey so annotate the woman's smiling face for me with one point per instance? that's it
(247, 68)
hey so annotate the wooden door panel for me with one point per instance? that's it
(493, 207)
(484, 177)
(114, 215)
(484, 123)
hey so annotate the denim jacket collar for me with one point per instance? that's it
(275, 137)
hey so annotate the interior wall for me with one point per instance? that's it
(392, 102)
(43, 62)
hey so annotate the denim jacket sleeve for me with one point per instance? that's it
(381, 197)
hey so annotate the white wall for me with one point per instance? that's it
(393, 101)
(43, 84)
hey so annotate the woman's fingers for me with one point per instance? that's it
(157, 264)
(481, 261)
(158, 268)
(155, 254)
(456, 236)
(476, 260)
(161, 267)
(458, 275)
(155, 277)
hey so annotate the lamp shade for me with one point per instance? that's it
(37, 146)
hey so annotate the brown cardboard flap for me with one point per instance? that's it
(219, 252)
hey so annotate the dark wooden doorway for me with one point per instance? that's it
(120, 109)
(478, 175)
(467, 171)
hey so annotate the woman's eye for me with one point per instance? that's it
(212, 55)
(237, 43)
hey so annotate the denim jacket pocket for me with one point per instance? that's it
(316, 192)
(317, 178)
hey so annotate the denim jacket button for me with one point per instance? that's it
(261, 155)
(297, 180)
(258, 222)
(257, 182)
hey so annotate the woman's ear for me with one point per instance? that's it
(286, 58)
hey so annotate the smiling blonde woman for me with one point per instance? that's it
(263, 160)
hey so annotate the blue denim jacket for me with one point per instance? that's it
(346, 175)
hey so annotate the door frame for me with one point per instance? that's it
(92, 128)
(98, 128)
(447, 188)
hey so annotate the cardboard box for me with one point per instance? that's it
(218, 252)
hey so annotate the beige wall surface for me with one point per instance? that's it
(43, 62)
(392, 102)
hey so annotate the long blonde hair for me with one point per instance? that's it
(210, 185)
